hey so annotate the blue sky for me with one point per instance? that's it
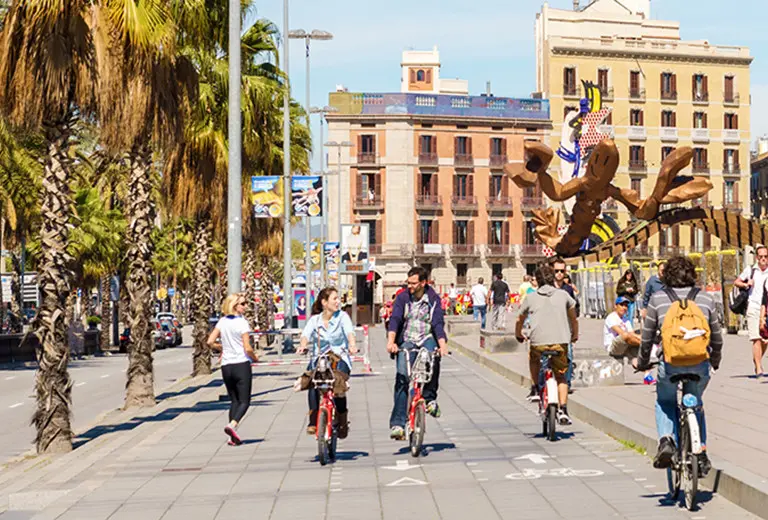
(492, 40)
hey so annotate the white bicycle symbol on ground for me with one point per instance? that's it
(532, 474)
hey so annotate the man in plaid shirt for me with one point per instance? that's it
(416, 322)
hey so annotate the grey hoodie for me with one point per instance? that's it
(547, 310)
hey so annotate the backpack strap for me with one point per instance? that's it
(673, 297)
(692, 294)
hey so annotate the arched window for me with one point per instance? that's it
(420, 75)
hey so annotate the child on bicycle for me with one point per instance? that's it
(332, 329)
(680, 279)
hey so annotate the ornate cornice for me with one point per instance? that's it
(666, 56)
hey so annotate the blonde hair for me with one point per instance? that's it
(228, 307)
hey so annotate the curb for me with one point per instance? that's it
(744, 488)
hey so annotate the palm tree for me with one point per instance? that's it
(47, 79)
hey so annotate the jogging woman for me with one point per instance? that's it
(332, 329)
(237, 355)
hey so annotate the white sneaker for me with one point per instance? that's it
(563, 418)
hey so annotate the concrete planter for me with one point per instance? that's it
(498, 341)
(461, 325)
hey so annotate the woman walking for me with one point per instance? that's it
(237, 354)
(329, 329)
(628, 288)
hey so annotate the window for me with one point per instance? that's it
(368, 144)
(700, 120)
(420, 75)
(495, 233)
(636, 155)
(569, 109)
(373, 236)
(602, 81)
(729, 192)
(427, 144)
(461, 274)
(462, 145)
(700, 158)
(530, 233)
(495, 269)
(634, 84)
(729, 89)
(569, 81)
(668, 85)
(731, 122)
(461, 235)
(496, 146)
(668, 118)
(461, 186)
(700, 88)
(731, 161)
(665, 151)
(636, 117)
(496, 187)
(637, 185)
(428, 185)
(427, 232)
(368, 184)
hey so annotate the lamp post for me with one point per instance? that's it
(234, 136)
(316, 34)
(287, 296)
(338, 146)
(324, 216)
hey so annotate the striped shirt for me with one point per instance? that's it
(657, 309)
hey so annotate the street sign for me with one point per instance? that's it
(171, 292)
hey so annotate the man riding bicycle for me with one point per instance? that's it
(416, 322)
(552, 314)
(680, 279)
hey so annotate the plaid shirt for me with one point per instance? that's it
(418, 325)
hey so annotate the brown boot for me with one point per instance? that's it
(343, 425)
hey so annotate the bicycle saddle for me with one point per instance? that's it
(685, 377)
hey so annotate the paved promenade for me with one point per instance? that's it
(485, 459)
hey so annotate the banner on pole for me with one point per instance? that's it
(332, 257)
(267, 196)
(305, 191)
(354, 248)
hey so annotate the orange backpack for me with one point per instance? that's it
(683, 318)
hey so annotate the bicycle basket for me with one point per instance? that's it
(422, 366)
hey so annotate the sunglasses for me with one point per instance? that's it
(559, 270)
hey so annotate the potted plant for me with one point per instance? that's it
(93, 322)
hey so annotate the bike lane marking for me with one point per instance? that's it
(402, 465)
(407, 481)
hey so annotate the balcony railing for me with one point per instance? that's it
(607, 93)
(668, 133)
(668, 251)
(464, 250)
(609, 206)
(369, 202)
(532, 250)
(731, 168)
(636, 133)
(459, 202)
(731, 98)
(429, 202)
(637, 94)
(498, 160)
(641, 251)
(427, 158)
(669, 95)
(367, 158)
(700, 167)
(637, 165)
(391, 250)
(463, 160)
(500, 203)
(529, 203)
(571, 90)
(731, 136)
(733, 206)
(499, 250)
(701, 98)
(428, 250)
(700, 135)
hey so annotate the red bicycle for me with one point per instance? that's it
(327, 433)
(418, 375)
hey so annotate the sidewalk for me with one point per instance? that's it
(736, 406)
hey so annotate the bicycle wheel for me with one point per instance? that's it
(551, 422)
(419, 424)
(673, 481)
(690, 468)
(332, 443)
(322, 433)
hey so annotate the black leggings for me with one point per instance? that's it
(237, 378)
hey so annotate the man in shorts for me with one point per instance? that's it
(619, 340)
(553, 325)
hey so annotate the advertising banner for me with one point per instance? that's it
(306, 199)
(267, 196)
(332, 258)
(354, 248)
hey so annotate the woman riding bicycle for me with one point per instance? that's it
(333, 330)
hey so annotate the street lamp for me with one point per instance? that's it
(287, 296)
(234, 135)
(323, 219)
(316, 34)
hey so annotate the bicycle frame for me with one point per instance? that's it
(418, 375)
(548, 388)
(325, 386)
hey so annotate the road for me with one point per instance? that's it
(98, 387)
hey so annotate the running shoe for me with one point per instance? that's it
(433, 409)
(234, 437)
(563, 419)
(397, 433)
(533, 395)
(649, 380)
(665, 453)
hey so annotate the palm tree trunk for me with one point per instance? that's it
(140, 388)
(53, 387)
(201, 298)
(250, 288)
(106, 312)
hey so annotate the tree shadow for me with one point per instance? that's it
(225, 397)
(188, 390)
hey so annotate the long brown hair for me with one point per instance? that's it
(317, 307)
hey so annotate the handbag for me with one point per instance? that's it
(738, 300)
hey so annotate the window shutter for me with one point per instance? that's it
(377, 184)
(504, 146)
(419, 184)
(359, 185)
(504, 186)
(470, 186)
(736, 158)
(725, 157)
(642, 118)
(455, 233)
(566, 78)
(634, 83)
(736, 192)
(378, 232)
(641, 153)
(674, 83)
(455, 185)
(489, 240)
(435, 232)
(676, 236)
(661, 82)
(455, 146)
(693, 86)
(705, 120)
(505, 238)
(429, 75)
(674, 119)
(413, 76)
(433, 184)
(704, 156)
(705, 85)
(471, 232)
(469, 146)
(735, 121)
(491, 194)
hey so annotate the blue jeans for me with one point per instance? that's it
(569, 372)
(400, 410)
(666, 397)
(479, 310)
(630, 316)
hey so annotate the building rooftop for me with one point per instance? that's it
(440, 105)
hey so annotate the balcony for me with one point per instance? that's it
(368, 202)
(391, 250)
(701, 98)
(465, 250)
(463, 203)
(669, 96)
(731, 99)
(499, 251)
(463, 160)
(429, 202)
(607, 93)
(532, 250)
(637, 165)
(636, 133)
(731, 136)
(733, 206)
(700, 168)
(529, 203)
(428, 159)
(498, 161)
(500, 203)
(669, 251)
(609, 206)
(732, 169)
(428, 250)
(571, 91)
(668, 133)
(700, 135)
(367, 159)
(637, 94)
